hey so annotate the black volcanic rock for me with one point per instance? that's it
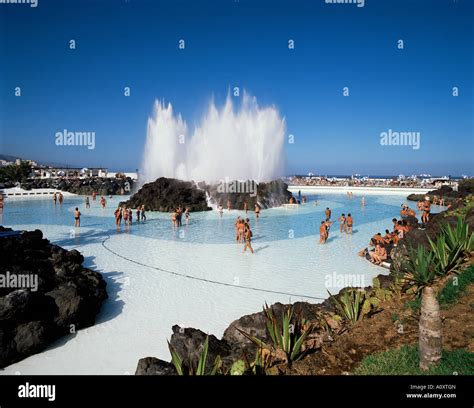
(103, 186)
(154, 366)
(166, 194)
(31, 317)
(267, 195)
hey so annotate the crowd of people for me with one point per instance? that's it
(346, 224)
(177, 216)
(243, 233)
(126, 214)
(381, 245)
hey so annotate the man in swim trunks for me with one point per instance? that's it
(55, 197)
(138, 214)
(349, 222)
(257, 210)
(77, 218)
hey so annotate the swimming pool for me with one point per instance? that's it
(196, 275)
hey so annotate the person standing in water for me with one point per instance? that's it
(77, 218)
(118, 217)
(229, 205)
(246, 207)
(55, 198)
(143, 213)
(94, 195)
(125, 216)
(342, 222)
(362, 201)
(349, 222)
(61, 198)
(186, 214)
(138, 214)
(88, 205)
(322, 233)
(327, 213)
(248, 239)
(257, 211)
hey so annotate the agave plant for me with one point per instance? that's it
(379, 292)
(354, 304)
(189, 369)
(287, 335)
(451, 247)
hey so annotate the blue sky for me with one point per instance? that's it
(244, 43)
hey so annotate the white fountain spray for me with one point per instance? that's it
(243, 143)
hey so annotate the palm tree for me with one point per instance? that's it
(422, 274)
(430, 330)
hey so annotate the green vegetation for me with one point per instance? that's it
(354, 304)
(188, 369)
(455, 287)
(405, 361)
(451, 291)
(451, 247)
(287, 335)
(15, 172)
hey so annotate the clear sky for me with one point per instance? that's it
(244, 43)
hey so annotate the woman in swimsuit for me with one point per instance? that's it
(342, 221)
(248, 238)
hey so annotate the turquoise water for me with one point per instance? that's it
(209, 227)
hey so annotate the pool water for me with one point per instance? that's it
(196, 275)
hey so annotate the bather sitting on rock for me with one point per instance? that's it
(379, 255)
